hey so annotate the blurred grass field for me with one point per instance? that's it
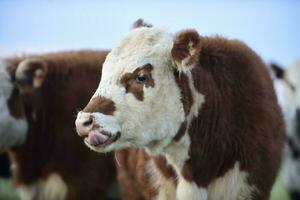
(279, 192)
(7, 192)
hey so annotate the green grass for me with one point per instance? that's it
(279, 192)
(6, 190)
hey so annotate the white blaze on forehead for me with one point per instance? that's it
(154, 121)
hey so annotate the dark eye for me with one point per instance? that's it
(141, 78)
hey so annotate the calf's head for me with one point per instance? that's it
(138, 102)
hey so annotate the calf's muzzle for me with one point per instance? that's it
(84, 123)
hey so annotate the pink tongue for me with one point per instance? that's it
(95, 138)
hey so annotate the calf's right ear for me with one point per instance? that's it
(186, 49)
(30, 74)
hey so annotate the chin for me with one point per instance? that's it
(108, 148)
(99, 149)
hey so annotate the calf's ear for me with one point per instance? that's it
(140, 23)
(278, 70)
(30, 74)
(186, 49)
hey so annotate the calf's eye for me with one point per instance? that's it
(141, 78)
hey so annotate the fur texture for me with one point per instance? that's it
(52, 163)
(220, 88)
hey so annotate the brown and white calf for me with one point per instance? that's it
(287, 85)
(51, 162)
(206, 104)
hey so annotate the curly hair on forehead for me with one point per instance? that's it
(140, 23)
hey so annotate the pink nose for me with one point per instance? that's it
(84, 123)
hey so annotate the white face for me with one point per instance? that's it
(139, 86)
(12, 130)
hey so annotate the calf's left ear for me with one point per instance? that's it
(140, 23)
(30, 74)
(186, 49)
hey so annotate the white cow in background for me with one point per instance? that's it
(287, 85)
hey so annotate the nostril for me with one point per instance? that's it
(88, 122)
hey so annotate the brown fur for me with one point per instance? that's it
(186, 93)
(164, 168)
(12, 64)
(181, 131)
(132, 85)
(134, 181)
(100, 104)
(33, 74)
(181, 49)
(15, 105)
(52, 145)
(240, 119)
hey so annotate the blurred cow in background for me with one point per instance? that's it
(48, 160)
(12, 127)
(287, 85)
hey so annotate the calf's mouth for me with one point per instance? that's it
(100, 138)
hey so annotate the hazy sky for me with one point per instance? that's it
(270, 27)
